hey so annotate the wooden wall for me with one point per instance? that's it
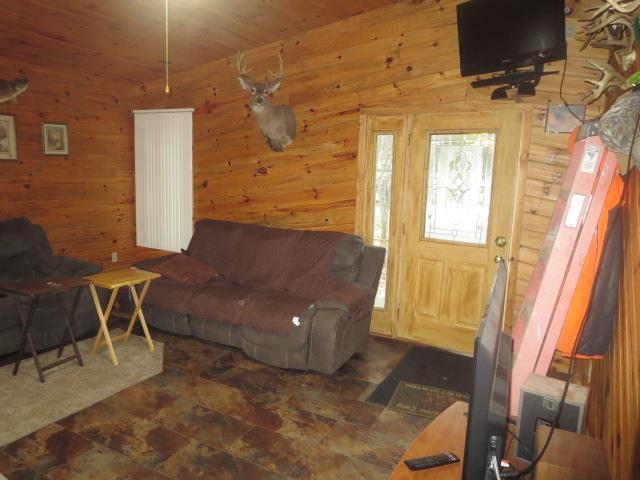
(85, 201)
(614, 403)
(404, 55)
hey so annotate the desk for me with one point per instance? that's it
(570, 456)
(114, 280)
(445, 434)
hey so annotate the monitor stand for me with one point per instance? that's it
(515, 77)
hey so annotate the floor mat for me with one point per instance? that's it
(430, 367)
(423, 400)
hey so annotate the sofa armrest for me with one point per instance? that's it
(334, 338)
(371, 267)
(59, 265)
(146, 264)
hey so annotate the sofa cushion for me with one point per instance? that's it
(295, 340)
(261, 256)
(264, 309)
(171, 295)
(184, 269)
(16, 236)
(220, 301)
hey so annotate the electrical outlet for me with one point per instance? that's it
(114, 257)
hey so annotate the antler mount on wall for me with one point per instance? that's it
(611, 25)
(277, 122)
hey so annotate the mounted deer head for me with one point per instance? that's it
(277, 122)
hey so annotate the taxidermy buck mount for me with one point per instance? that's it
(10, 89)
(277, 122)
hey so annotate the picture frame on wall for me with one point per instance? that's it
(55, 139)
(8, 146)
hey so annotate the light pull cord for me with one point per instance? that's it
(167, 88)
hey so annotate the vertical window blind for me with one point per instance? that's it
(164, 178)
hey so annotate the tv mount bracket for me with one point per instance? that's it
(515, 77)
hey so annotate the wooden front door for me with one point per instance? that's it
(459, 196)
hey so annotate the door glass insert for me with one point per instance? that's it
(458, 194)
(382, 205)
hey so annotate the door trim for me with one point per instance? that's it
(366, 169)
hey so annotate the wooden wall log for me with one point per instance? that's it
(84, 200)
(401, 56)
(614, 402)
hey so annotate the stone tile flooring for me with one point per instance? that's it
(214, 413)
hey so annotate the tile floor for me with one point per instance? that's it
(214, 413)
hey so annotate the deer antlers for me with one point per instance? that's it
(623, 6)
(280, 74)
(612, 18)
(609, 78)
(241, 65)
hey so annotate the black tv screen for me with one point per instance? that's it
(489, 395)
(495, 35)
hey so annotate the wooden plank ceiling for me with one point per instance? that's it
(123, 40)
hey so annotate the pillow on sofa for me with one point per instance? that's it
(184, 269)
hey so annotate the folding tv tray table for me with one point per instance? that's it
(114, 280)
(34, 289)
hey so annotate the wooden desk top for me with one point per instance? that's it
(446, 433)
(123, 277)
(570, 456)
(43, 285)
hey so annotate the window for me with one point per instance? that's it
(382, 205)
(164, 178)
(459, 187)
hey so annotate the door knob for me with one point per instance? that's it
(498, 259)
(501, 241)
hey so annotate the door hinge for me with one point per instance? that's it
(403, 228)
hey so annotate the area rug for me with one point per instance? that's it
(27, 405)
(423, 400)
(430, 367)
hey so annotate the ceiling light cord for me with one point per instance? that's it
(167, 88)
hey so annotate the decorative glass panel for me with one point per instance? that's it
(382, 206)
(459, 187)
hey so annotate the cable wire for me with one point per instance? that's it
(564, 72)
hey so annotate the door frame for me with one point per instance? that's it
(365, 190)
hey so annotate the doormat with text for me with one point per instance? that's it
(423, 400)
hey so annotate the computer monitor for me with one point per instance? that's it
(487, 420)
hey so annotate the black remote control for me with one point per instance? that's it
(431, 461)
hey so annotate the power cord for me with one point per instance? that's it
(519, 442)
(564, 72)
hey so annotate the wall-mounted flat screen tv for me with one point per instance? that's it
(496, 35)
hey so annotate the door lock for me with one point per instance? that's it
(498, 259)
(501, 241)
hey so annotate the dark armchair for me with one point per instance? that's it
(25, 253)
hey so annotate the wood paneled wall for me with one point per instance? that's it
(404, 55)
(85, 201)
(614, 403)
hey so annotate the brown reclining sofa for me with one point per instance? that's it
(290, 298)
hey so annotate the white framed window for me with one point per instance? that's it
(164, 178)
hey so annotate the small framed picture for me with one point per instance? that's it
(561, 119)
(55, 139)
(8, 148)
